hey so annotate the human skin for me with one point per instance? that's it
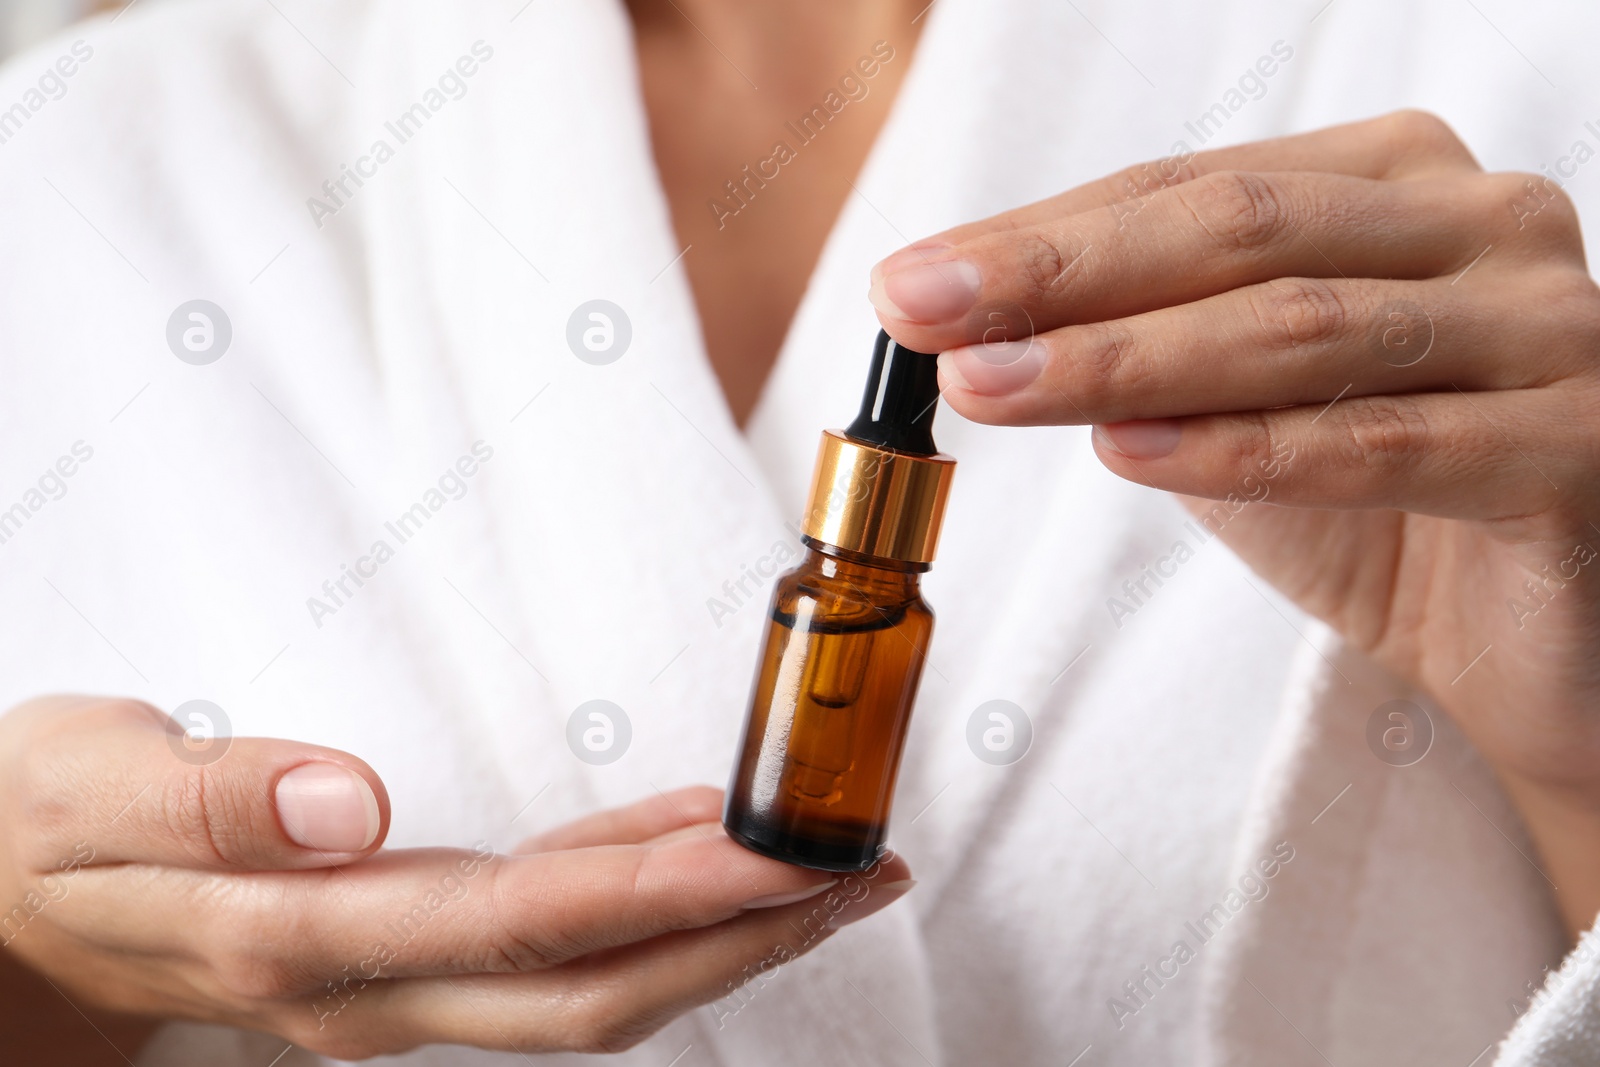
(163, 889)
(1210, 313)
(72, 988)
(744, 324)
(707, 123)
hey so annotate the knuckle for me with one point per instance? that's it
(102, 713)
(1523, 198)
(250, 973)
(1384, 433)
(1240, 211)
(608, 1021)
(196, 809)
(1566, 210)
(1252, 452)
(1554, 194)
(1298, 312)
(1415, 129)
(1577, 297)
(518, 951)
(76, 714)
(127, 711)
(70, 722)
(345, 1020)
(1510, 184)
(51, 773)
(1101, 363)
(1155, 175)
(251, 963)
(339, 1041)
(1044, 260)
(527, 922)
(1573, 301)
(333, 1046)
(43, 781)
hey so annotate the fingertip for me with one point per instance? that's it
(888, 311)
(1151, 473)
(972, 404)
(892, 867)
(877, 898)
(1139, 439)
(328, 807)
(1111, 459)
(380, 796)
(950, 376)
(868, 892)
(780, 900)
(916, 252)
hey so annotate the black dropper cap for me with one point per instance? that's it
(897, 408)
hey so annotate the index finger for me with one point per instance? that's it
(416, 912)
(1401, 145)
(1215, 235)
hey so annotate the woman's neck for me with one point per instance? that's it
(726, 84)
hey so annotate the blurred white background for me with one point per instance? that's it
(22, 22)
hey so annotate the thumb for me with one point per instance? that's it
(111, 780)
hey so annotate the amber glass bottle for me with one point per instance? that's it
(847, 634)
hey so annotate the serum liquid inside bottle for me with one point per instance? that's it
(847, 633)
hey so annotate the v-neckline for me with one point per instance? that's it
(844, 221)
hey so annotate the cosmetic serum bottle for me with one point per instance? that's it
(848, 633)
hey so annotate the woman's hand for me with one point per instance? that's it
(250, 892)
(1398, 353)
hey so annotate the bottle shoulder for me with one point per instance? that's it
(844, 598)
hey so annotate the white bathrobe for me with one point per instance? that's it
(1178, 751)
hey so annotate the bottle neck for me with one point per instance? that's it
(834, 561)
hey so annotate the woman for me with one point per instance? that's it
(435, 388)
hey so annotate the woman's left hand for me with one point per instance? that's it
(1396, 353)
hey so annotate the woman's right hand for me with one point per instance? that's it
(250, 892)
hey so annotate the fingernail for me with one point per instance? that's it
(881, 895)
(911, 254)
(950, 376)
(994, 369)
(325, 807)
(778, 900)
(1141, 438)
(927, 293)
